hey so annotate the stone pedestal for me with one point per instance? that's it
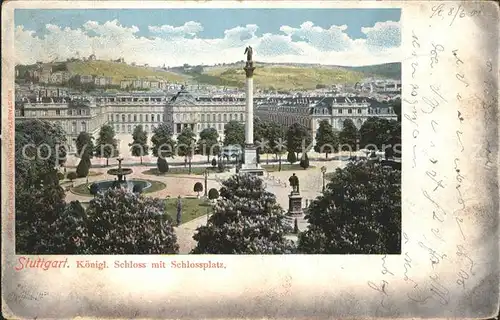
(295, 204)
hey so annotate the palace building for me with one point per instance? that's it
(310, 111)
(125, 111)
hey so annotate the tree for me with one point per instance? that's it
(139, 146)
(277, 145)
(246, 220)
(260, 136)
(298, 138)
(72, 233)
(375, 132)
(83, 168)
(213, 194)
(37, 213)
(396, 106)
(291, 157)
(106, 145)
(349, 135)
(32, 167)
(72, 176)
(234, 133)
(208, 144)
(163, 144)
(198, 187)
(162, 165)
(186, 144)
(122, 222)
(359, 213)
(304, 161)
(326, 139)
(214, 163)
(85, 145)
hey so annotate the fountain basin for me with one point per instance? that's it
(120, 171)
(129, 184)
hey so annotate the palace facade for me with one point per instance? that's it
(125, 111)
(310, 111)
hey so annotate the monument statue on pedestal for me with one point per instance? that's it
(295, 199)
(294, 183)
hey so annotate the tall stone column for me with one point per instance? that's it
(249, 68)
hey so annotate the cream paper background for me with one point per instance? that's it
(317, 286)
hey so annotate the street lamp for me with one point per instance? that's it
(205, 173)
(323, 171)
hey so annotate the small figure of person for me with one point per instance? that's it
(179, 210)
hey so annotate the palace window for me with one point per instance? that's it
(117, 128)
(225, 117)
(203, 118)
(135, 118)
(58, 112)
(219, 118)
(73, 127)
(79, 112)
(146, 128)
(123, 128)
(129, 127)
(179, 128)
(158, 118)
(140, 117)
(349, 111)
(129, 118)
(152, 118)
(146, 117)
(359, 110)
(219, 126)
(340, 111)
(241, 116)
(84, 126)
(213, 117)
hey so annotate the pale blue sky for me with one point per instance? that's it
(209, 36)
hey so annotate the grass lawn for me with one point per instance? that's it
(192, 208)
(94, 173)
(83, 190)
(173, 171)
(284, 167)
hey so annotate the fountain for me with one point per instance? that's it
(120, 181)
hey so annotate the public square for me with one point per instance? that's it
(182, 185)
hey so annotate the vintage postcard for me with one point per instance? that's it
(251, 159)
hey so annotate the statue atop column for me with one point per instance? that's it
(249, 68)
(249, 53)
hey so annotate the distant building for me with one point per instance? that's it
(310, 111)
(137, 84)
(154, 85)
(145, 84)
(124, 84)
(102, 81)
(85, 79)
